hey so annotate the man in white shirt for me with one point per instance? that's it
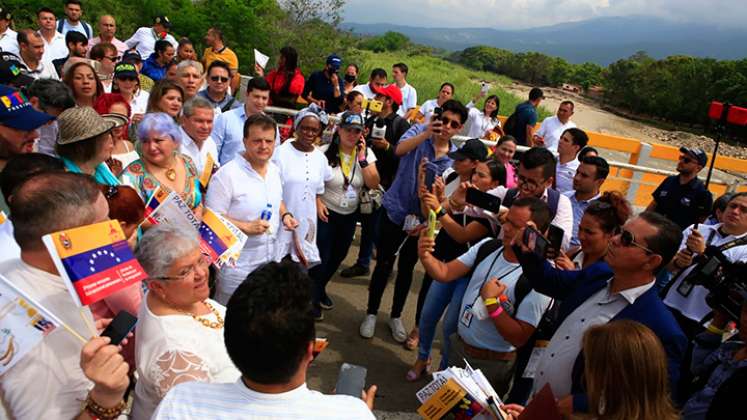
(497, 314)
(549, 132)
(590, 175)
(56, 378)
(409, 95)
(375, 81)
(54, 42)
(196, 125)
(32, 53)
(144, 39)
(686, 299)
(534, 179)
(571, 142)
(8, 42)
(269, 335)
(445, 92)
(107, 28)
(72, 22)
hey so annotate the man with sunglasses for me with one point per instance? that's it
(399, 220)
(621, 289)
(684, 198)
(216, 92)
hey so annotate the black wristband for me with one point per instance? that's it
(287, 213)
(441, 213)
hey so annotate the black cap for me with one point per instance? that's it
(163, 20)
(12, 71)
(471, 149)
(696, 153)
(131, 57)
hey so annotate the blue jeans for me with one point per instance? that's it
(369, 235)
(440, 295)
(333, 239)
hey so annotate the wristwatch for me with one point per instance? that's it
(363, 163)
(440, 213)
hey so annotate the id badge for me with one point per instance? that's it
(685, 288)
(351, 194)
(466, 318)
(411, 222)
(539, 349)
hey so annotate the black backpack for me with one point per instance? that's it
(521, 288)
(509, 127)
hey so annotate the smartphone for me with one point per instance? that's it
(430, 176)
(437, 112)
(351, 380)
(555, 237)
(535, 241)
(121, 325)
(483, 200)
(431, 223)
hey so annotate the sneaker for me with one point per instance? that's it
(398, 330)
(318, 315)
(368, 326)
(355, 271)
(326, 303)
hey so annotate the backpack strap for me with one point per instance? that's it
(510, 197)
(485, 249)
(553, 197)
(60, 24)
(227, 106)
(87, 28)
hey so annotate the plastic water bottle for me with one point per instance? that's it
(266, 213)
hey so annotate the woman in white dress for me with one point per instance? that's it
(179, 335)
(481, 122)
(303, 171)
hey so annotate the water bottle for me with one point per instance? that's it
(267, 215)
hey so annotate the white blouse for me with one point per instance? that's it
(334, 192)
(239, 192)
(303, 175)
(172, 349)
(477, 123)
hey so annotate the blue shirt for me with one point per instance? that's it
(322, 89)
(579, 207)
(228, 133)
(219, 105)
(402, 197)
(526, 114)
(152, 69)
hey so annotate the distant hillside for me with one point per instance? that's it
(600, 40)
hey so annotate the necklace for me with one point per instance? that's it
(215, 325)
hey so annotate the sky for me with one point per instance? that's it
(517, 14)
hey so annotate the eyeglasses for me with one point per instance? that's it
(113, 59)
(204, 262)
(219, 79)
(627, 239)
(528, 183)
(111, 191)
(451, 123)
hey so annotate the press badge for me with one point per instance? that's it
(539, 349)
(467, 316)
(349, 196)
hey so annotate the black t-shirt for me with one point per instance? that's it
(386, 160)
(683, 204)
(322, 89)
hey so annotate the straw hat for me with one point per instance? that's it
(82, 123)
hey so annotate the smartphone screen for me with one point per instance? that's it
(351, 380)
(120, 326)
(555, 237)
(483, 200)
(535, 241)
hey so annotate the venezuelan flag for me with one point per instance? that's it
(216, 237)
(95, 260)
(158, 197)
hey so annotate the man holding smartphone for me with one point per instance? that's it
(400, 217)
(496, 289)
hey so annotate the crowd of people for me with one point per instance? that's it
(91, 127)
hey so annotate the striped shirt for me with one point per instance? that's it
(199, 400)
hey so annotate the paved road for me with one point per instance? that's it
(387, 361)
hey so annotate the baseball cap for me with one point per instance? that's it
(697, 153)
(471, 149)
(125, 70)
(392, 92)
(335, 61)
(12, 71)
(131, 57)
(351, 120)
(163, 20)
(5, 14)
(16, 111)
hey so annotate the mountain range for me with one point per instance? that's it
(600, 40)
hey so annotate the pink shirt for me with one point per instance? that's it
(510, 176)
(121, 46)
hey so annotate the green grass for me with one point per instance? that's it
(427, 73)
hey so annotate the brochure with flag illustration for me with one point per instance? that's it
(23, 324)
(95, 260)
(452, 401)
(169, 208)
(207, 171)
(220, 238)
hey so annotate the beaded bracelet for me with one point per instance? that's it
(97, 411)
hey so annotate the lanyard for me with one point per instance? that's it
(350, 169)
(488, 276)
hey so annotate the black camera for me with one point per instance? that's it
(726, 281)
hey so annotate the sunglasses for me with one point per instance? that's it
(451, 123)
(219, 79)
(127, 79)
(627, 240)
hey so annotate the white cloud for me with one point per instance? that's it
(511, 14)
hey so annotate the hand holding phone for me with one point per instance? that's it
(483, 200)
(555, 237)
(535, 241)
(351, 380)
(121, 325)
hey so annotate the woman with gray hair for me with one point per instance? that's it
(179, 336)
(161, 164)
(189, 77)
